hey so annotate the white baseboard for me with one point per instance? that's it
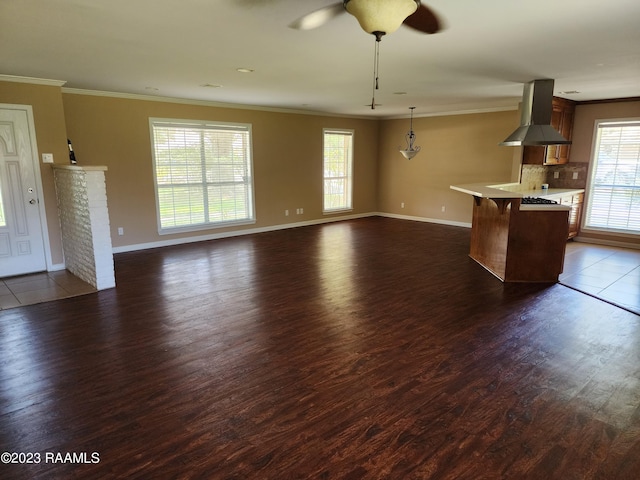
(610, 243)
(236, 233)
(250, 231)
(425, 219)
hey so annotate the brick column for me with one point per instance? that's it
(84, 221)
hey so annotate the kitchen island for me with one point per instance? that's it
(516, 242)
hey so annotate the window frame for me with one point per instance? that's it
(249, 168)
(592, 185)
(3, 218)
(348, 206)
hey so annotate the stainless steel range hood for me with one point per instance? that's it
(535, 122)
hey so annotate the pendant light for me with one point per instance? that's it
(411, 150)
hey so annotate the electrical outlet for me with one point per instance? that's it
(443, 209)
(47, 158)
(120, 231)
(286, 213)
(556, 174)
(402, 205)
(575, 175)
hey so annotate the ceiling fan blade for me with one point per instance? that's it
(318, 17)
(424, 20)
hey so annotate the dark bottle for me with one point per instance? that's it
(72, 156)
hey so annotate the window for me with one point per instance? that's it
(202, 174)
(338, 166)
(614, 188)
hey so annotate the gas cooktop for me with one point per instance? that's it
(537, 200)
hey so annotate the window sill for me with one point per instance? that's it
(208, 226)
(337, 210)
(610, 231)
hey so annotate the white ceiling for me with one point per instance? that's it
(479, 62)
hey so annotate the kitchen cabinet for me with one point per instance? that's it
(516, 242)
(518, 245)
(562, 120)
(574, 201)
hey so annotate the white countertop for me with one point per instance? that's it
(514, 190)
(79, 168)
(487, 190)
(552, 192)
(510, 190)
(532, 207)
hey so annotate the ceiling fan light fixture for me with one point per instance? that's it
(383, 16)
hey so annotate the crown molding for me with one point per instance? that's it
(32, 80)
(446, 113)
(210, 103)
(206, 103)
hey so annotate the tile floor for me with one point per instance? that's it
(40, 287)
(609, 273)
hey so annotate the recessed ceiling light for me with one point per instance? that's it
(245, 70)
(399, 93)
(211, 85)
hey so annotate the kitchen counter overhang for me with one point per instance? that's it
(508, 191)
(515, 242)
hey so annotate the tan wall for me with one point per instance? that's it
(287, 159)
(584, 123)
(456, 149)
(48, 117)
(581, 149)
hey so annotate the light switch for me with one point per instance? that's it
(47, 158)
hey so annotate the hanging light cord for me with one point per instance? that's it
(376, 68)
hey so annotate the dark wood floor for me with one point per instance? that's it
(372, 348)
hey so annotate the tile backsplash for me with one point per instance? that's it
(535, 175)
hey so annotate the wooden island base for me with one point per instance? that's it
(518, 245)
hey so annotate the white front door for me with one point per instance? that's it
(21, 239)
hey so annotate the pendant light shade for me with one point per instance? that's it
(383, 16)
(411, 150)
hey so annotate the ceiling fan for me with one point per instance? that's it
(377, 17)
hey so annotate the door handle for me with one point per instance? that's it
(32, 201)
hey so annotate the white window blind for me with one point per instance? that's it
(338, 167)
(202, 174)
(614, 190)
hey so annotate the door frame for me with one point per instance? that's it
(35, 156)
